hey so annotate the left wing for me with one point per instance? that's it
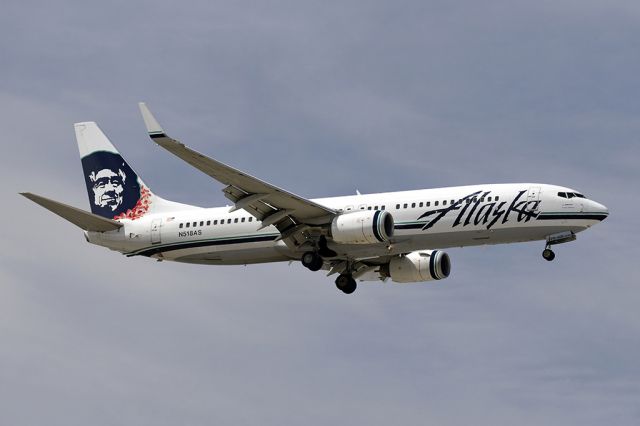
(290, 213)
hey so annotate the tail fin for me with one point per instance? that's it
(115, 190)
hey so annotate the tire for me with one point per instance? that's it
(312, 261)
(548, 254)
(346, 283)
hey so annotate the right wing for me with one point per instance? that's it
(290, 213)
(80, 218)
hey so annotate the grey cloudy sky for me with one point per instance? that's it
(322, 98)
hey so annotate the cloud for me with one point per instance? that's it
(321, 99)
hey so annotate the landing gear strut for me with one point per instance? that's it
(346, 283)
(548, 254)
(312, 261)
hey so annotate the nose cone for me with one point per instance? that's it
(599, 209)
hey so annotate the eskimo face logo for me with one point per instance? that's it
(112, 185)
(108, 188)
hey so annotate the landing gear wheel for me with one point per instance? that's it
(346, 283)
(312, 261)
(548, 254)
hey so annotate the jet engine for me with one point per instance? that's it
(362, 227)
(418, 266)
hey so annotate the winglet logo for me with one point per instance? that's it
(113, 187)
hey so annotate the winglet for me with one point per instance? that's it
(153, 127)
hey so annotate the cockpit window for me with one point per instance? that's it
(570, 195)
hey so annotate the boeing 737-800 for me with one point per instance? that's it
(393, 235)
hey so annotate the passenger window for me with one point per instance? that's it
(195, 224)
(428, 203)
(251, 219)
(382, 208)
(397, 206)
(228, 221)
(489, 199)
(413, 205)
(215, 222)
(180, 226)
(208, 222)
(421, 204)
(497, 198)
(453, 201)
(405, 205)
(188, 224)
(202, 223)
(482, 200)
(369, 208)
(235, 220)
(242, 220)
(444, 202)
(435, 204)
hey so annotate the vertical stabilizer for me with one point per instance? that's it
(115, 190)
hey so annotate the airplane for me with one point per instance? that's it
(397, 236)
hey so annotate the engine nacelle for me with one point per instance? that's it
(363, 227)
(417, 266)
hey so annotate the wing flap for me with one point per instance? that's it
(80, 218)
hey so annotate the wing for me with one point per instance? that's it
(80, 218)
(271, 205)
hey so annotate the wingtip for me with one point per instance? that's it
(153, 127)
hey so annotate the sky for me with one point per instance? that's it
(322, 98)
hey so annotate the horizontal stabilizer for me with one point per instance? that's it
(85, 220)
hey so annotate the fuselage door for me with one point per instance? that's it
(533, 199)
(156, 224)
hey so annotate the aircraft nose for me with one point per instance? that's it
(600, 208)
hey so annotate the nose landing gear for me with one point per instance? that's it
(548, 254)
(559, 238)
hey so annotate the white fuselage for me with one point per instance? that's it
(424, 219)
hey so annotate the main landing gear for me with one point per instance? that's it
(312, 261)
(346, 283)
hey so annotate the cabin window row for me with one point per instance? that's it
(214, 222)
(444, 202)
